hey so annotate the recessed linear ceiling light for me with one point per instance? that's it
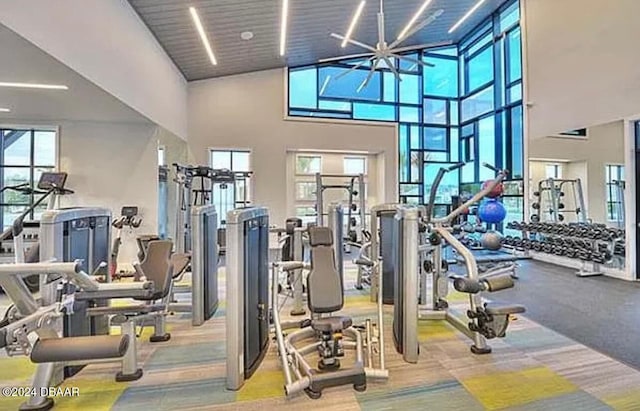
(353, 23)
(283, 27)
(466, 16)
(4, 110)
(413, 19)
(203, 35)
(34, 85)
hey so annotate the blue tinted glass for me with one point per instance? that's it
(389, 87)
(415, 138)
(409, 89)
(435, 111)
(509, 16)
(480, 69)
(350, 85)
(435, 138)
(515, 93)
(416, 165)
(453, 146)
(477, 104)
(382, 112)
(303, 88)
(453, 112)
(481, 43)
(436, 156)
(515, 56)
(486, 146)
(334, 105)
(448, 186)
(441, 79)
(404, 152)
(475, 36)
(516, 138)
(468, 173)
(409, 66)
(467, 130)
(447, 51)
(409, 114)
(410, 189)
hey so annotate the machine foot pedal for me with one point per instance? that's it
(120, 377)
(46, 405)
(160, 338)
(298, 312)
(480, 351)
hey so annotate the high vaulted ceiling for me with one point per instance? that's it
(310, 23)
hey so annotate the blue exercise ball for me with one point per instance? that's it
(492, 211)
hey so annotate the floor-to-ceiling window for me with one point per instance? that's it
(467, 107)
(25, 154)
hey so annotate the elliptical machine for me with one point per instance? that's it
(128, 218)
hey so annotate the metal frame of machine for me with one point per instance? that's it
(247, 278)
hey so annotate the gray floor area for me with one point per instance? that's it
(600, 312)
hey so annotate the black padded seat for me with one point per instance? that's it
(331, 324)
(86, 348)
(503, 309)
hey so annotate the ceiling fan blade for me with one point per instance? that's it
(419, 27)
(354, 42)
(368, 79)
(412, 60)
(357, 66)
(343, 58)
(391, 67)
(422, 46)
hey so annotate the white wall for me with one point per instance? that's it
(581, 63)
(246, 111)
(586, 160)
(106, 42)
(111, 165)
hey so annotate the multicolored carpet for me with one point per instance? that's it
(532, 368)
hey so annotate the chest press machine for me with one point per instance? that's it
(329, 334)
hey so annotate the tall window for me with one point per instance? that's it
(224, 196)
(467, 107)
(614, 175)
(552, 171)
(26, 153)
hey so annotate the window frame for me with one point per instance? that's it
(32, 167)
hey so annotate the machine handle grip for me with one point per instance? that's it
(456, 166)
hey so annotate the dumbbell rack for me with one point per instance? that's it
(544, 238)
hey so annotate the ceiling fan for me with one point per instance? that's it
(382, 54)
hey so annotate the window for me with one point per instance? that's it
(552, 171)
(305, 190)
(308, 164)
(25, 155)
(581, 132)
(615, 185)
(355, 165)
(162, 161)
(468, 99)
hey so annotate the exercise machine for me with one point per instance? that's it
(216, 186)
(552, 200)
(355, 188)
(485, 320)
(247, 294)
(328, 334)
(203, 289)
(128, 219)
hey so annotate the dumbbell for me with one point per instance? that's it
(535, 206)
